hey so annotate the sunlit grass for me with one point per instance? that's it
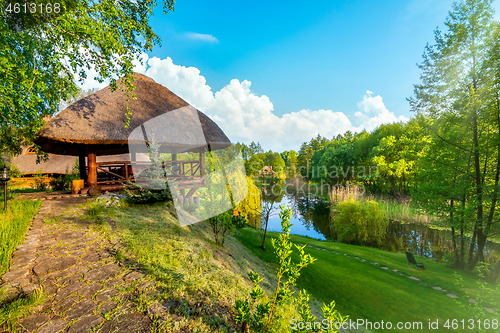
(366, 291)
(14, 224)
(205, 279)
(11, 312)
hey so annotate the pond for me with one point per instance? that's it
(311, 217)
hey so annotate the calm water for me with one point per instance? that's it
(311, 217)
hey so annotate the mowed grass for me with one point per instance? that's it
(366, 291)
(14, 224)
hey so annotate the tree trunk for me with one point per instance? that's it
(263, 246)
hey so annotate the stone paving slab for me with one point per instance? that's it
(76, 267)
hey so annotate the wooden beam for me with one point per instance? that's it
(202, 163)
(92, 170)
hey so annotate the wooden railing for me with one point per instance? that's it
(122, 171)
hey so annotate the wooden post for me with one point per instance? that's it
(92, 172)
(202, 163)
(83, 167)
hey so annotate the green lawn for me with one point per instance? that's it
(366, 291)
(13, 225)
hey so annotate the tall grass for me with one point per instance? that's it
(404, 211)
(13, 311)
(14, 224)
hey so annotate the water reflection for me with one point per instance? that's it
(311, 217)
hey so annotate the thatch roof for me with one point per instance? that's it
(97, 122)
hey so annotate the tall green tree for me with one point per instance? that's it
(456, 85)
(43, 52)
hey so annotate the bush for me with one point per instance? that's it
(40, 181)
(356, 222)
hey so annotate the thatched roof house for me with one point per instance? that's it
(95, 125)
(56, 165)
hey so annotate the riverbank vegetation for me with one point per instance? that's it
(445, 161)
(362, 288)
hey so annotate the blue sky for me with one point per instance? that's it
(286, 71)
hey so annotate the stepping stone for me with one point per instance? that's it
(15, 274)
(86, 324)
(17, 283)
(356, 258)
(473, 301)
(65, 304)
(90, 289)
(54, 326)
(132, 322)
(363, 260)
(107, 307)
(54, 265)
(394, 270)
(23, 260)
(452, 295)
(400, 274)
(106, 295)
(385, 267)
(490, 310)
(374, 263)
(33, 322)
(437, 288)
(414, 278)
(133, 276)
(29, 289)
(81, 309)
(102, 273)
(345, 254)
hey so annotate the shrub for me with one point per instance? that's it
(156, 180)
(358, 222)
(260, 314)
(40, 181)
(224, 223)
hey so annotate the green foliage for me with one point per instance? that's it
(62, 183)
(224, 223)
(259, 313)
(359, 222)
(278, 164)
(40, 181)
(486, 297)
(156, 179)
(14, 223)
(251, 206)
(14, 310)
(42, 54)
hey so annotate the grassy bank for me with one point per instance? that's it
(14, 223)
(366, 291)
(202, 278)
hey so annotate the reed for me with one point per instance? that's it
(403, 211)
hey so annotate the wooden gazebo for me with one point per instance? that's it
(95, 126)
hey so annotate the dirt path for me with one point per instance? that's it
(86, 287)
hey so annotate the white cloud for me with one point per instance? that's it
(246, 117)
(201, 37)
(373, 112)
